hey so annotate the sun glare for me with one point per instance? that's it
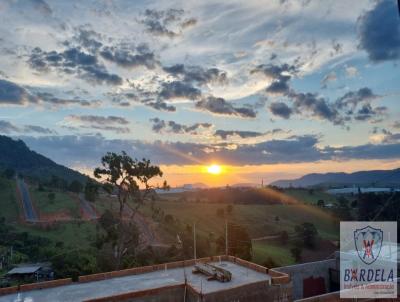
(214, 169)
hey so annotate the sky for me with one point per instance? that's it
(267, 89)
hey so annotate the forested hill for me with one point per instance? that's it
(361, 178)
(16, 155)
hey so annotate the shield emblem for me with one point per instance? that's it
(368, 242)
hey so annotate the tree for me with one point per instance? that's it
(229, 209)
(131, 179)
(320, 203)
(75, 186)
(9, 173)
(51, 196)
(307, 232)
(284, 237)
(91, 191)
(239, 242)
(296, 253)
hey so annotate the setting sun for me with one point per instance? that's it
(214, 169)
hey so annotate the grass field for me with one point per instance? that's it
(260, 220)
(8, 201)
(62, 202)
(73, 234)
(280, 254)
(310, 197)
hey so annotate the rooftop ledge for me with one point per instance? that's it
(146, 280)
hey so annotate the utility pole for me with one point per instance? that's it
(226, 237)
(194, 241)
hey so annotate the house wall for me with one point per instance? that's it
(299, 272)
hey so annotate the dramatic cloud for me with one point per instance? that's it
(73, 61)
(37, 129)
(318, 107)
(160, 126)
(224, 134)
(50, 99)
(124, 57)
(379, 31)
(279, 75)
(197, 74)
(222, 107)
(179, 90)
(73, 150)
(96, 119)
(168, 23)
(8, 128)
(281, 109)
(13, 94)
(97, 122)
(353, 98)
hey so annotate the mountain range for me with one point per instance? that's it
(361, 178)
(16, 155)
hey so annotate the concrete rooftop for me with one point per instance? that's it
(96, 289)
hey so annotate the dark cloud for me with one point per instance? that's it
(279, 75)
(312, 104)
(38, 129)
(107, 123)
(353, 98)
(160, 126)
(73, 61)
(366, 112)
(87, 38)
(7, 127)
(179, 90)
(379, 31)
(168, 23)
(188, 23)
(97, 119)
(13, 94)
(224, 134)
(222, 107)
(148, 99)
(281, 109)
(53, 100)
(197, 74)
(129, 58)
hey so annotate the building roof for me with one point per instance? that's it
(24, 270)
(156, 279)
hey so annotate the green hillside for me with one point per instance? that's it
(8, 201)
(16, 155)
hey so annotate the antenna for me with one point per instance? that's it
(194, 241)
(226, 237)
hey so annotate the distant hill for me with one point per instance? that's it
(365, 178)
(16, 155)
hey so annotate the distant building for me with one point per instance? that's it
(31, 272)
(356, 190)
